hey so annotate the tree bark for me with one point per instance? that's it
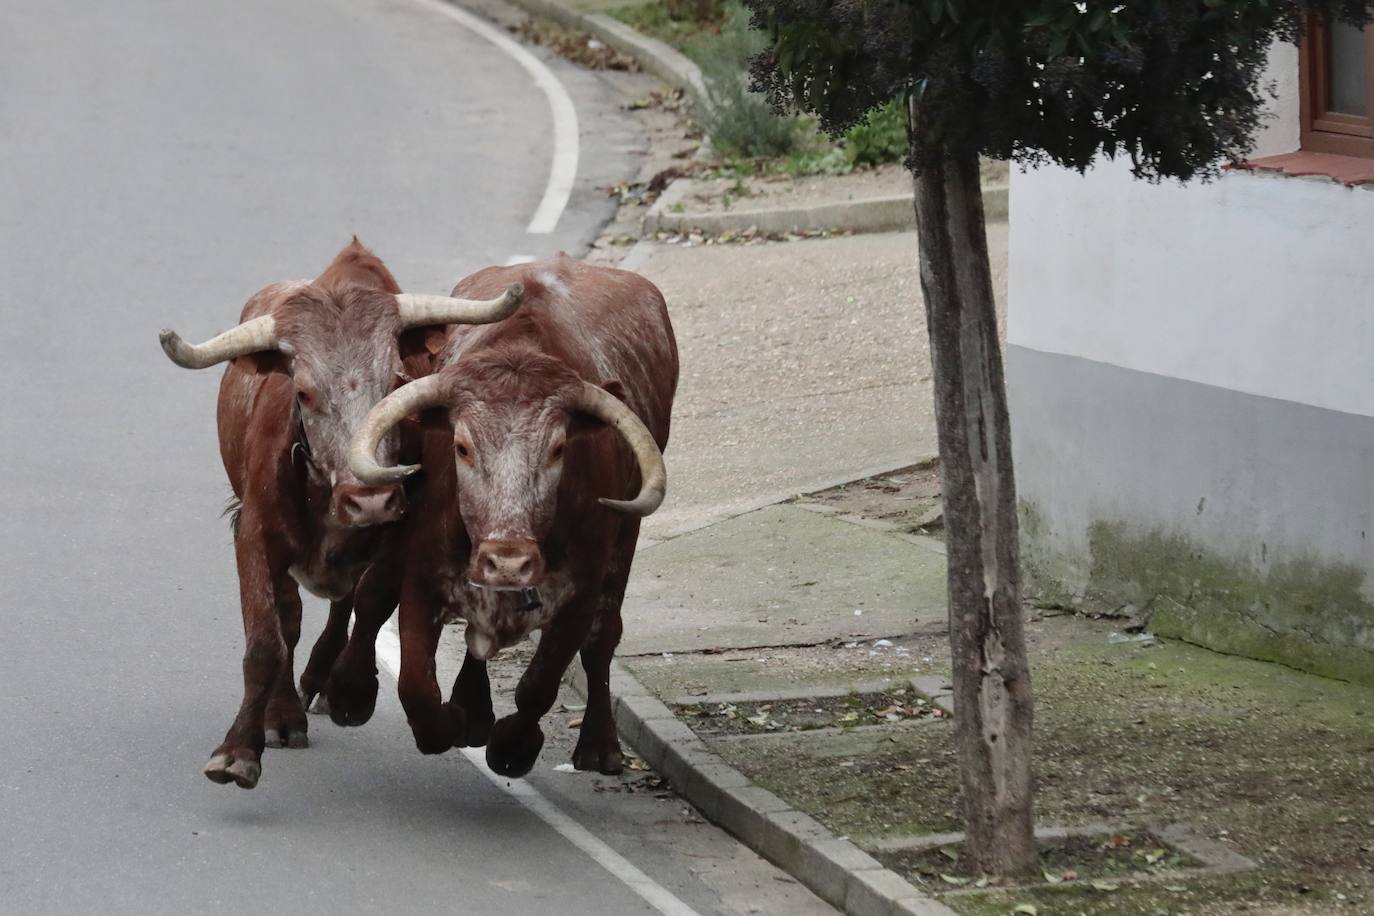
(992, 692)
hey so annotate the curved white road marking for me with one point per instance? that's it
(653, 893)
(563, 173)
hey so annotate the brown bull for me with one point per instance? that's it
(308, 360)
(548, 413)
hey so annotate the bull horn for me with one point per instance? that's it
(417, 310)
(253, 336)
(653, 474)
(410, 398)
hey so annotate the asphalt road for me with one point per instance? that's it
(159, 162)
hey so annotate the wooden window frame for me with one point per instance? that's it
(1325, 131)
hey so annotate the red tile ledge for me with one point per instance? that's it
(1348, 170)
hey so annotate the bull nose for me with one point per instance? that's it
(360, 507)
(508, 565)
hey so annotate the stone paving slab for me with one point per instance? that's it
(779, 576)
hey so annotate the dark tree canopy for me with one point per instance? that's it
(1176, 85)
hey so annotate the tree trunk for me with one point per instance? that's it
(992, 693)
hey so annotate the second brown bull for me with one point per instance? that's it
(530, 428)
(306, 362)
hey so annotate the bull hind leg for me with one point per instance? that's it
(238, 759)
(325, 652)
(598, 743)
(517, 739)
(285, 723)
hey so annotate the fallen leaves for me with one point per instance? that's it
(750, 236)
(578, 47)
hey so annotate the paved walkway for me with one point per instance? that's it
(803, 363)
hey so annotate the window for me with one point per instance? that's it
(1338, 89)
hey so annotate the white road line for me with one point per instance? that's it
(519, 259)
(563, 173)
(653, 893)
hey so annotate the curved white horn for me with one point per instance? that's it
(410, 398)
(417, 310)
(253, 336)
(653, 474)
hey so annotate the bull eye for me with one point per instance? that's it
(556, 453)
(305, 400)
(463, 450)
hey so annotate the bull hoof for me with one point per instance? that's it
(286, 736)
(350, 700)
(605, 759)
(239, 768)
(320, 707)
(514, 747)
(477, 725)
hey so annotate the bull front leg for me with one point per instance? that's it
(351, 692)
(436, 725)
(238, 759)
(517, 739)
(472, 695)
(285, 723)
(324, 653)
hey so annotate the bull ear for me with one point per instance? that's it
(263, 363)
(435, 340)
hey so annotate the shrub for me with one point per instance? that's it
(697, 10)
(879, 138)
(739, 122)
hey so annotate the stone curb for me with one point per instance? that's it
(663, 61)
(877, 214)
(874, 214)
(836, 870)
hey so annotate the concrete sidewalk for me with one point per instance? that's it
(803, 364)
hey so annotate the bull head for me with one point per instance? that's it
(511, 429)
(340, 347)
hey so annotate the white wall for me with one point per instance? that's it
(1259, 284)
(1191, 370)
(1282, 129)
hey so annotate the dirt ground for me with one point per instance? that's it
(909, 497)
(1272, 762)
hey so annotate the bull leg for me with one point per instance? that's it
(436, 725)
(322, 657)
(517, 739)
(285, 723)
(472, 695)
(238, 758)
(352, 689)
(598, 744)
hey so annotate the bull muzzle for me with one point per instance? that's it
(361, 506)
(507, 565)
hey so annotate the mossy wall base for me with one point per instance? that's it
(1236, 522)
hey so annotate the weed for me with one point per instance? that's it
(879, 138)
(739, 122)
